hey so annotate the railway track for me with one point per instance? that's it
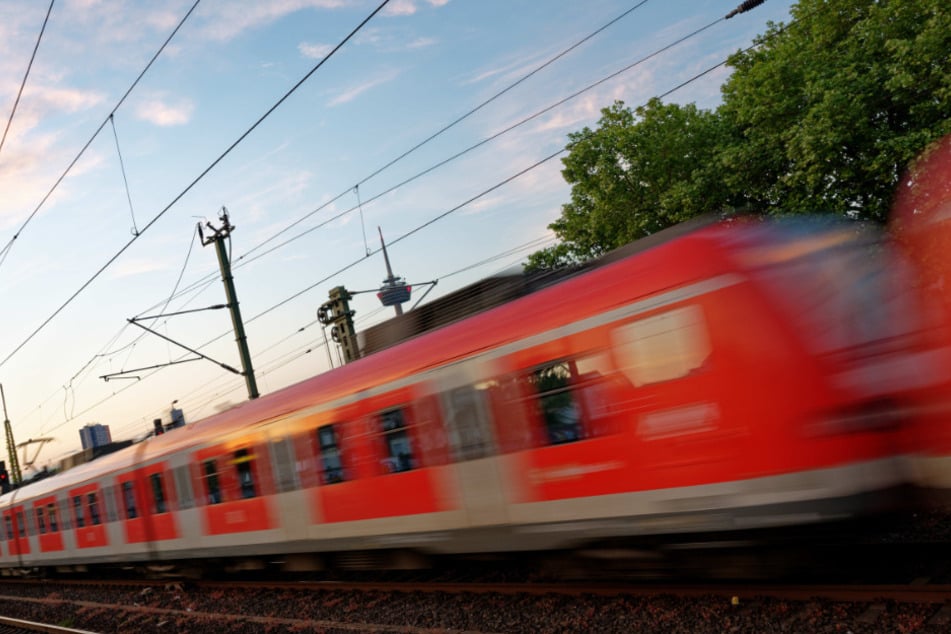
(479, 607)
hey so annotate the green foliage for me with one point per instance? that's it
(637, 173)
(823, 116)
(828, 111)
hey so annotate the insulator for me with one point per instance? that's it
(744, 7)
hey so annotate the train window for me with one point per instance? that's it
(128, 499)
(285, 474)
(212, 488)
(41, 520)
(93, 509)
(21, 524)
(398, 450)
(466, 421)
(664, 347)
(51, 514)
(331, 463)
(8, 526)
(183, 486)
(158, 493)
(559, 411)
(78, 511)
(244, 462)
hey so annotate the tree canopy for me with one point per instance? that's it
(823, 115)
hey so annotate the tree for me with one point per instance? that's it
(826, 113)
(637, 173)
(822, 116)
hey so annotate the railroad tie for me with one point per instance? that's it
(942, 616)
(872, 614)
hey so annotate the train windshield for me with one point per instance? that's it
(842, 283)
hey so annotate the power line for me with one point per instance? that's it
(446, 127)
(465, 151)
(69, 168)
(277, 362)
(73, 383)
(522, 122)
(473, 199)
(26, 75)
(469, 201)
(241, 259)
(188, 188)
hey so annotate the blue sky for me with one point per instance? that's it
(411, 70)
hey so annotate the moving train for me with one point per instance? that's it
(921, 229)
(736, 376)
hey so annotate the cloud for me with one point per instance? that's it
(353, 92)
(229, 19)
(483, 204)
(409, 7)
(392, 40)
(422, 42)
(400, 7)
(314, 51)
(511, 69)
(136, 266)
(65, 99)
(162, 112)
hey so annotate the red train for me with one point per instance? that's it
(921, 226)
(738, 376)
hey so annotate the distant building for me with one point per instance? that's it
(177, 416)
(95, 435)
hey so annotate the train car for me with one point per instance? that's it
(921, 228)
(741, 376)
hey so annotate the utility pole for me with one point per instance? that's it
(15, 474)
(224, 262)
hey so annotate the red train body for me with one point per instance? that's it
(740, 376)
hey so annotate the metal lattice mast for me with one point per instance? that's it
(14, 469)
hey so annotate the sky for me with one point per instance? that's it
(98, 214)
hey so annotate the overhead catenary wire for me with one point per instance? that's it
(477, 145)
(125, 180)
(245, 259)
(449, 126)
(467, 202)
(72, 164)
(452, 210)
(241, 259)
(26, 75)
(188, 188)
(209, 279)
(77, 379)
(274, 364)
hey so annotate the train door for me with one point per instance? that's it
(86, 511)
(15, 528)
(668, 358)
(378, 457)
(145, 499)
(47, 524)
(558, 410)
(236, 486)
(472, 446)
